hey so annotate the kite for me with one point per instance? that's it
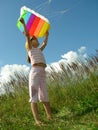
(36, 24)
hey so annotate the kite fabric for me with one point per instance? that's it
(37, 25)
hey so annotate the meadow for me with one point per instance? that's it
(73, 93)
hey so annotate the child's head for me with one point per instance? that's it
(34, 41)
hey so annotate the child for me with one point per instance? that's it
(37, 82)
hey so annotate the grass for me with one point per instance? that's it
(73, 108)
(73, 98)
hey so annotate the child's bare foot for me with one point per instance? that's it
(39, 123)
(50, 118)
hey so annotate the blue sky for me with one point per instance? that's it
(74, 24)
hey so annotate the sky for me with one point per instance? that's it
(74, 24)
(72, 36)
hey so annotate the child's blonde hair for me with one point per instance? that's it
(26, 46)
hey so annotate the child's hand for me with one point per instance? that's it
(22, 20)
(24, 26)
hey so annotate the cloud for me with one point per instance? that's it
(70, 57)
(73, 56)
(8, 72)
(54, 65)
(82, 50)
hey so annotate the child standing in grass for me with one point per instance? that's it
(37, 77)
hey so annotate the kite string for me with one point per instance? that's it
(39, 7)
(44, 7)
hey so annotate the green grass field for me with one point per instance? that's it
(74, 108)
(73, 99)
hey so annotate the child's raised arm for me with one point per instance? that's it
(26, 33)
(45, 41)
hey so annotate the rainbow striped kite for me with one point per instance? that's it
(37, 25)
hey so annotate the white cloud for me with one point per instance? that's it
(71, 56)
(55, 66)
(8, 72)
(82, 54)
(82, 49)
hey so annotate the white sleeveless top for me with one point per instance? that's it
(36, 56)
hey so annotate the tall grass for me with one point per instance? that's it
(73, 93)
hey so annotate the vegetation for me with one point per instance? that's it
(73, 95)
